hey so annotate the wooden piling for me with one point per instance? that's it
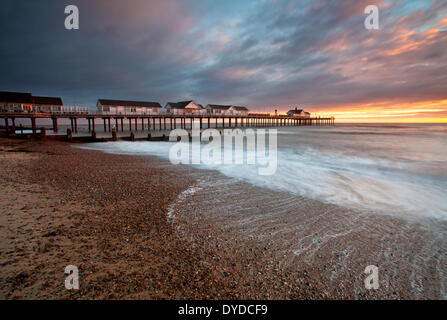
(69, 135)
(7, 124)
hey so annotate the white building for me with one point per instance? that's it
(217, 109)
(16, 102)
(226, 110)
(125, 107)
(238, 110)
(26, 102)
(183, 107)
(298, 113)
(47, 104)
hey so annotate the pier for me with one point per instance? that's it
(150, 123)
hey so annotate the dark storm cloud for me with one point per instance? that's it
(281, 53)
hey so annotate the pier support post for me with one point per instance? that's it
(89, 125)
(13, 125)
(105, 126)
(69, 135)
(93, 127)
(7, 124)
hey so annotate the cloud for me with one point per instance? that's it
(266, 53)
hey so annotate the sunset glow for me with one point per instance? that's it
(422, 112)
(266, 55)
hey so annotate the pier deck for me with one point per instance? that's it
(164, 121)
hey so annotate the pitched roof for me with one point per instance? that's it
(179, 105)
(16, 97)
(54, 101)
(218, 106)
(127, 103)
(239, 108)
(295, 111)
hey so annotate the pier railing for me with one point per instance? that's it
(163, 121)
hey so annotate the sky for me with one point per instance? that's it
(265, 54)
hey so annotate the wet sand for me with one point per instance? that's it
(106, 214)
(330, 245)
(139, 228)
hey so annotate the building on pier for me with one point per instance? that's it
(47, 105)
(298, 113)
(217, 109)
(183, 107)
(26, 102)
(226, 110)
(125, 107)
(16, 102)
(238, 110)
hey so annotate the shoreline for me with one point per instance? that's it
(107, 218)
(142, 232)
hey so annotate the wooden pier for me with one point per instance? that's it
(164, 122)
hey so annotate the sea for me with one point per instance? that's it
(342, 197)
